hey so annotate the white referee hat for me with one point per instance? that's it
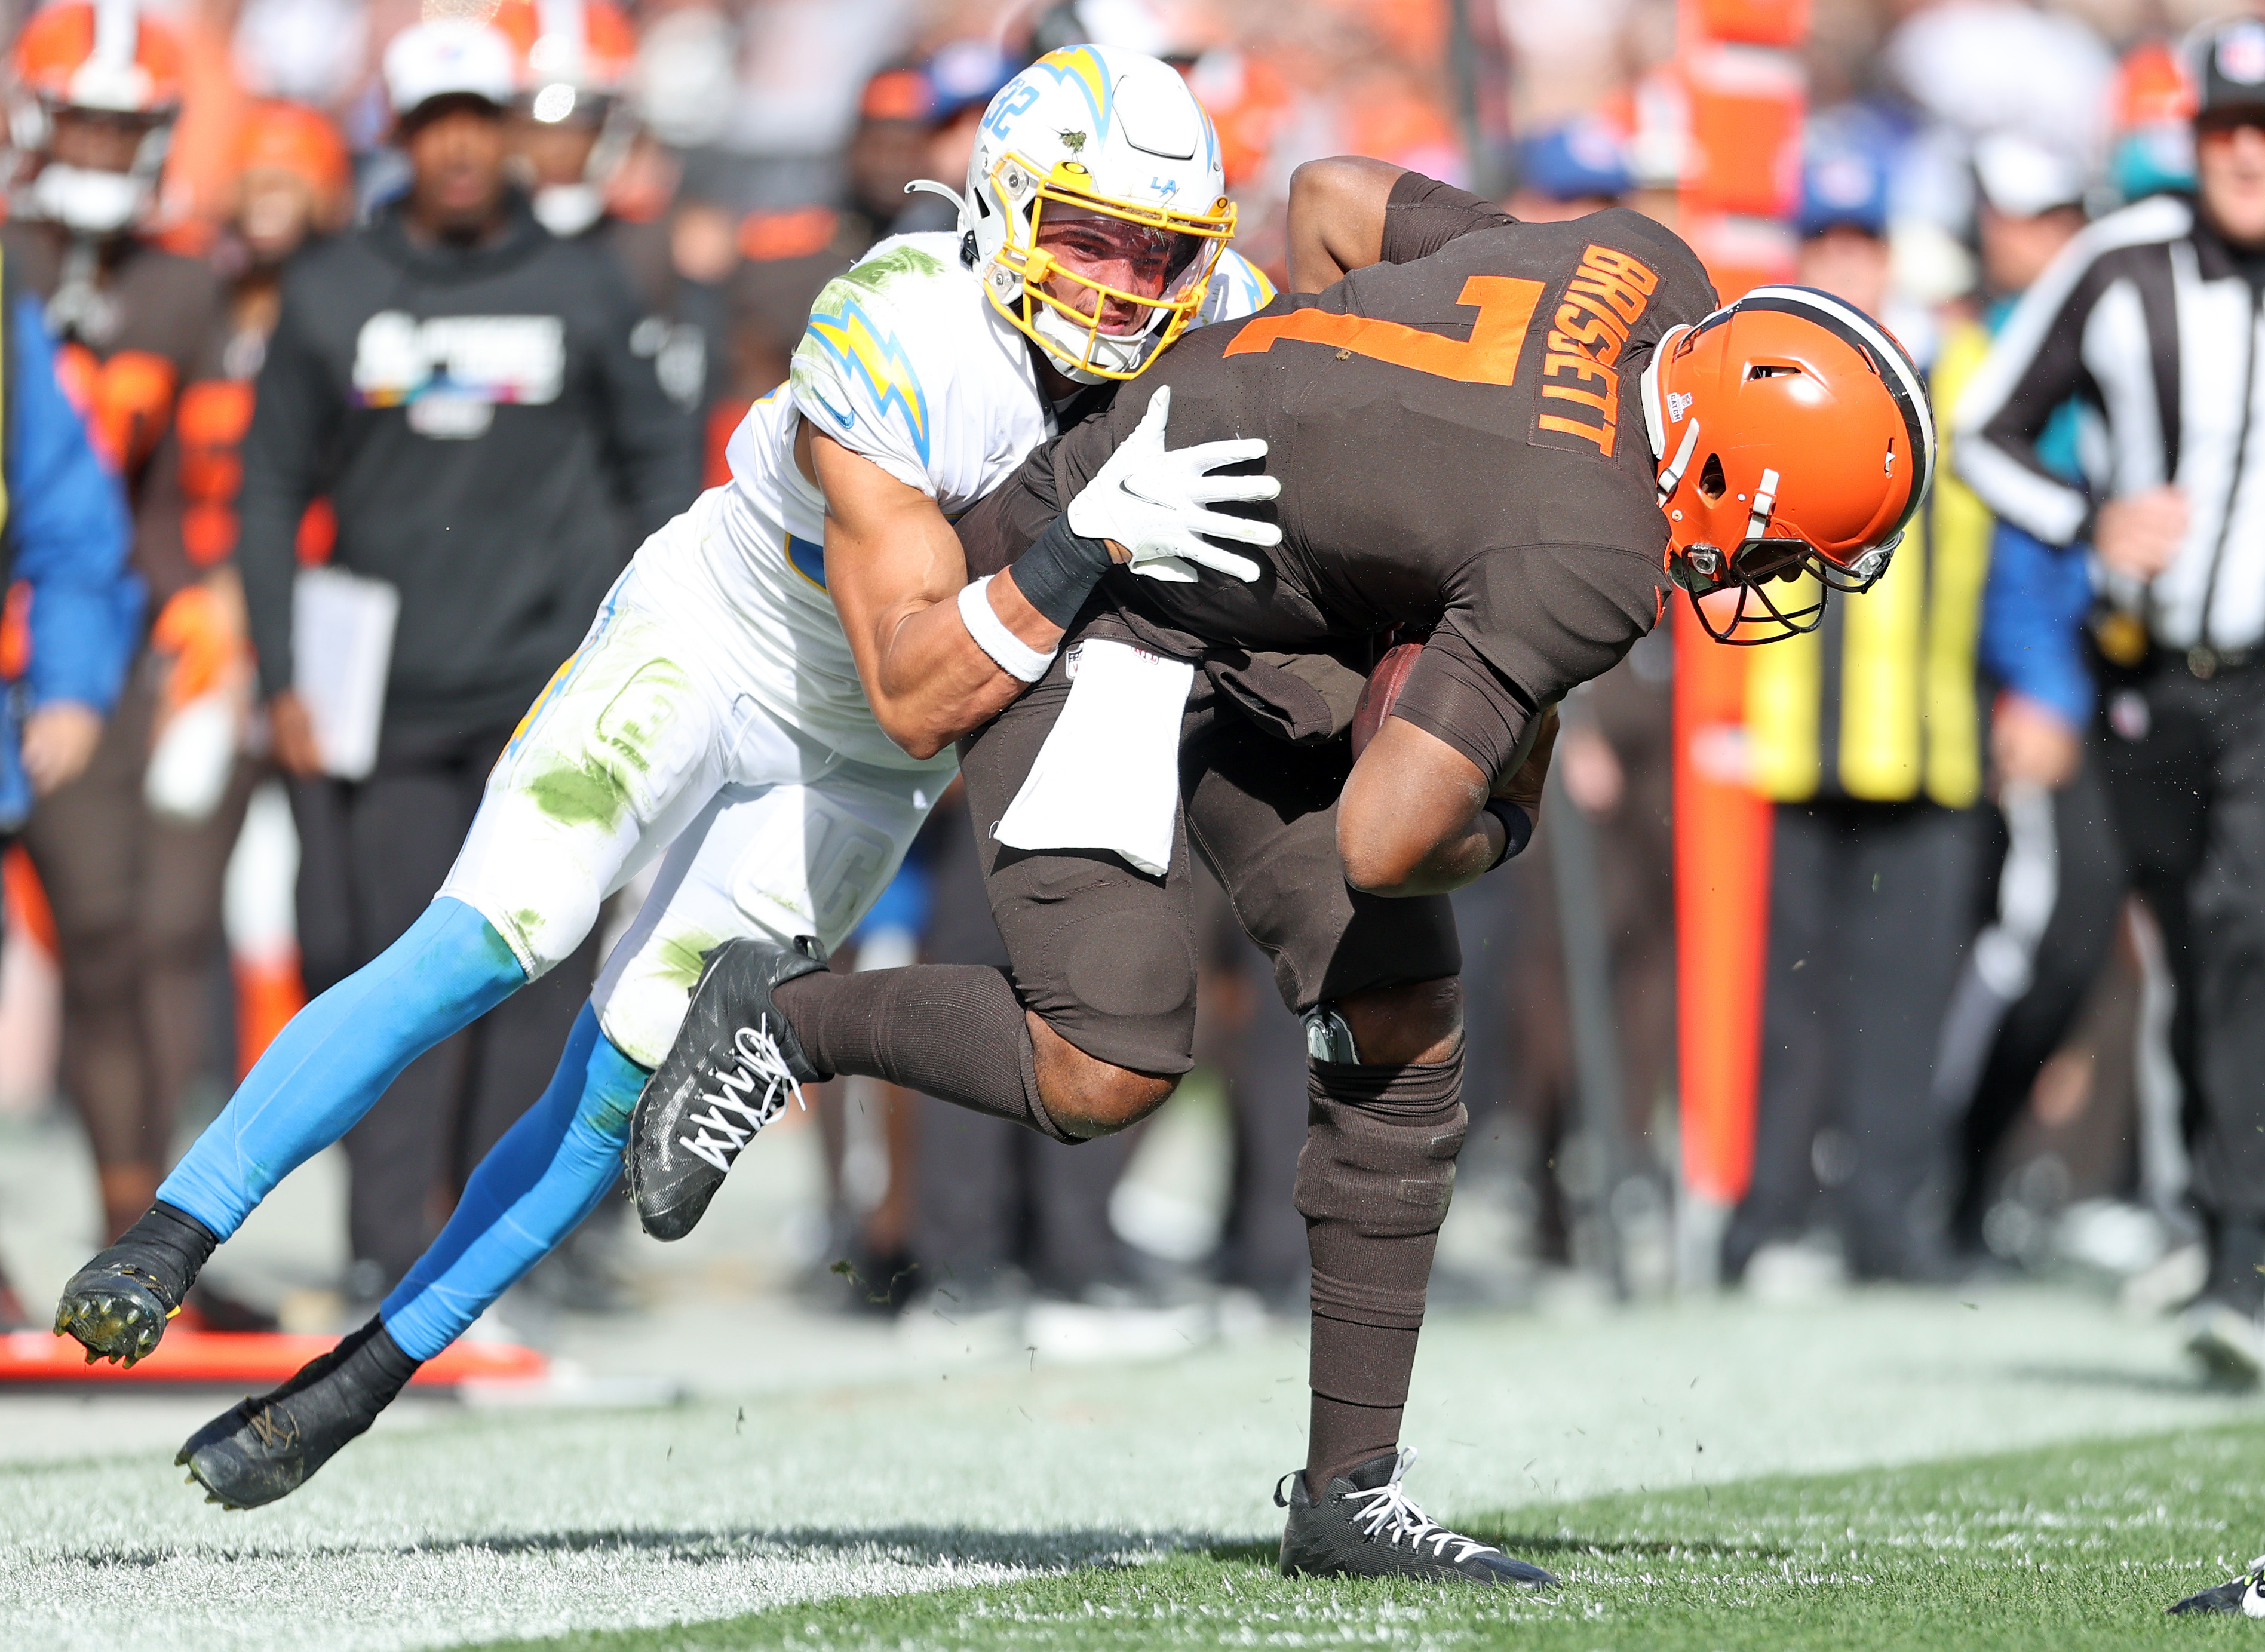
(448, 57)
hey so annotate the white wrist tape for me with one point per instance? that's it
(1009, 652)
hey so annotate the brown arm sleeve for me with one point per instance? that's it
(1525, 627)
(999, 527)
(1423, 214)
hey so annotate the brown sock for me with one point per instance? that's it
(1372, 1184)
(955, 1031)
(1344, 1432)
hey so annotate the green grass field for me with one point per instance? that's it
(2022, 1468)
(2069, 1548)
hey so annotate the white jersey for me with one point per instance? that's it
(905, 362)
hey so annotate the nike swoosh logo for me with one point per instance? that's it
(842, 419)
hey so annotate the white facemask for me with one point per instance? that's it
(89, 202)
(568, 209)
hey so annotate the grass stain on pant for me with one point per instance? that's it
(583, 793)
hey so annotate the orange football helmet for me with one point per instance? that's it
(104, 55)
(104, 60)
(290, 137)
(1795, 438)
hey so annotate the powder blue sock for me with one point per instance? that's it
(337, 1056)
(533, 1189)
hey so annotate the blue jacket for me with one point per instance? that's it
(2032, 613)
(2037, 595)
(67, 537)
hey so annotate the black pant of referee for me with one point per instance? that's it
(2183, 754)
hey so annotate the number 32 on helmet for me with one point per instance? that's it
(1795, 439)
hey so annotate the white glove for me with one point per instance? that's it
(1154, 502)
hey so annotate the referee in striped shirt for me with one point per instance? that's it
(2152, 319)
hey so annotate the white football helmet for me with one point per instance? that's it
(576, 58)
(1114, 138)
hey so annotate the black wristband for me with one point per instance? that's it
(1060, 569)
(1516, 827)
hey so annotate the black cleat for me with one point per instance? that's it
(117, 1304)
(2244, 1595)
(267, 1448)
(1368, 1527)
(734, 1066)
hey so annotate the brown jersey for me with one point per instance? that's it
(125, 351)
(1462, 452)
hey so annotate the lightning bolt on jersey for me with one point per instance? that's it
(905, 362)
(1461, 449)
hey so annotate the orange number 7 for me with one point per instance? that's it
(1488, 357)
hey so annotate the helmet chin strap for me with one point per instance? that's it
(1672, 473)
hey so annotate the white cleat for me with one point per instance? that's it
(2231, 1344)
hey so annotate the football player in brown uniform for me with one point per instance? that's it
(1514, 439)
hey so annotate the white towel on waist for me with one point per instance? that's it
(1108, 775)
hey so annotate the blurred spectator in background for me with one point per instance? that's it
(133, 852)
(290, 184)
(571, 131)
(466, 388)
(2152, 319)
(2053, 866)
(1983, 66)
(1866, 734)
(572, 135)
(73, 606)
(1568, 171)
(291, 187)
(311, 52)
(889, 148)
(2152, 148)
(761, 98)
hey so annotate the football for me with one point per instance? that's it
(1383, 693)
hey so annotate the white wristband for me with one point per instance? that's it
(1009, 652)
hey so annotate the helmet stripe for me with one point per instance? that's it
(117, 26)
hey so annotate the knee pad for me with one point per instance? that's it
(1374, 1179)
(1381, 1146)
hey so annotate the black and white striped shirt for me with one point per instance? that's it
(2149, 320)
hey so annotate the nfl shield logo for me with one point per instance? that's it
(2241, 54)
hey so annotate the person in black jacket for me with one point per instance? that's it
(463, 387)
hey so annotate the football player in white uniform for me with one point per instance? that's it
(714, 715)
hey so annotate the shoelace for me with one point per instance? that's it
(1391, 1514)
(760, 1061)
